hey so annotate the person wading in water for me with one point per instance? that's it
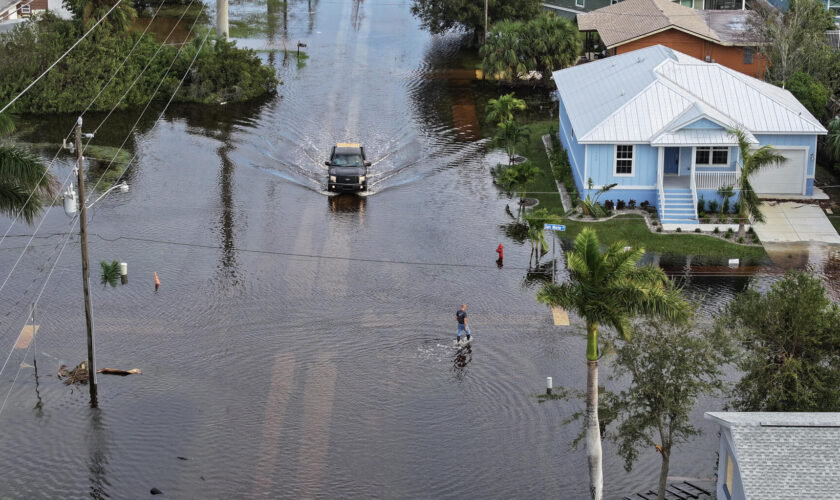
(461, 317)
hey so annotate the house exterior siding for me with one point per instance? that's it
(570, 8)
(577, 152)
(731, 57)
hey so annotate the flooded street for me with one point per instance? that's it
(300, 344)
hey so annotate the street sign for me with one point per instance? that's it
(554, 227)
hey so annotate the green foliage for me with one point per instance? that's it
(669, 369)
(752, 161)
(544, 44)
(26, 186)
(91, 11)
(110, 272)
(794, 41)
(812, 94)
(790, 346)
(221, 72)
(832, 140)
(440, 16)
(516, 176)
(726, 192)
(701, 204)
(536, 219)
(511, 135)
(590, 205)
(501, 110)
(562, 169)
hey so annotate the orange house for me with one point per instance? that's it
(719, 36)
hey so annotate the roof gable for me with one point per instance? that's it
(640, 95)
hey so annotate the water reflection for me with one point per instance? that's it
(98, 456)
(347, 203)
(462, 358)
(227, 219)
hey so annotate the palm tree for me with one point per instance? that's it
(501, 110)
(510, 135)
(501, 54)
(832, 140)
(609, 288)
(536, 235)
(553, 43)
(25, 185)
(751, 162)
(517, 176)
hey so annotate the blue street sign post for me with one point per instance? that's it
(553, 227)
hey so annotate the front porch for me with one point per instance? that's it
(685, 170)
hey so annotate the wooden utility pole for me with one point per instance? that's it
(85, 265)
(485, 21)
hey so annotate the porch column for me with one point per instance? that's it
(660, 168)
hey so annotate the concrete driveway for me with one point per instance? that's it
(789, 221)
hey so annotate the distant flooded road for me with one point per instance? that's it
(300, 344)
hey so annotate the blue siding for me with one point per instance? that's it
(602, 165)
(575, 151)
(703, 123)
(685, 161)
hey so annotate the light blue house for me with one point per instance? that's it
(656, 121)
(777, 455)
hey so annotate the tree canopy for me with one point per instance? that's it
(790, 341)
(440, 16)
(794, 40)
(544, 44)
(812, 94)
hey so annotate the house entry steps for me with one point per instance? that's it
(678, 207)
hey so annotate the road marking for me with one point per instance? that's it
(282, 375)
(561, 317)
(318, 392)
(26, 336)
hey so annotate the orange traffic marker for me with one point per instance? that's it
(157, 280)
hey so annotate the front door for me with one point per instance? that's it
(672, 161)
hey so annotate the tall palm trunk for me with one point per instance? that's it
(593, 428)
(741, 220)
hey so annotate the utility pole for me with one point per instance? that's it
(485, 21)
(222, 28)
(85, 264)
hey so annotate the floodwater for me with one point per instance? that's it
(300, 344)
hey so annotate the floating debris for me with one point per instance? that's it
(117, 371)
(78, 375)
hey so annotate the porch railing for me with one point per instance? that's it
(714, 180)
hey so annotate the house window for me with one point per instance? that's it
(711, 156)
(580, 3)
(24, 9)
(748, 55)
(624, 159)
(729, 477)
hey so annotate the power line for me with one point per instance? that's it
(171, 98)
(87, 108)
(60, 57)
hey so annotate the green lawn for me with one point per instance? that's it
(835, 221)
(631, 228)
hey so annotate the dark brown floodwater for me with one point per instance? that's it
(298, 345)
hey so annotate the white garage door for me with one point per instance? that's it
(787, 178)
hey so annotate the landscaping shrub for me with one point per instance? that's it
(609, 205)
(679, 229)
(717, 230)
(701, 204)
(631, 204)
(740, 239)
(644, 204)
(736, 207)
(713, 206)
(620, 205)
(659, 229)
(698, 230)
(728, 234)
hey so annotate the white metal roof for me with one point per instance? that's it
(632, 97)
(697, 137)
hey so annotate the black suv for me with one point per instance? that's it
(348, 167)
